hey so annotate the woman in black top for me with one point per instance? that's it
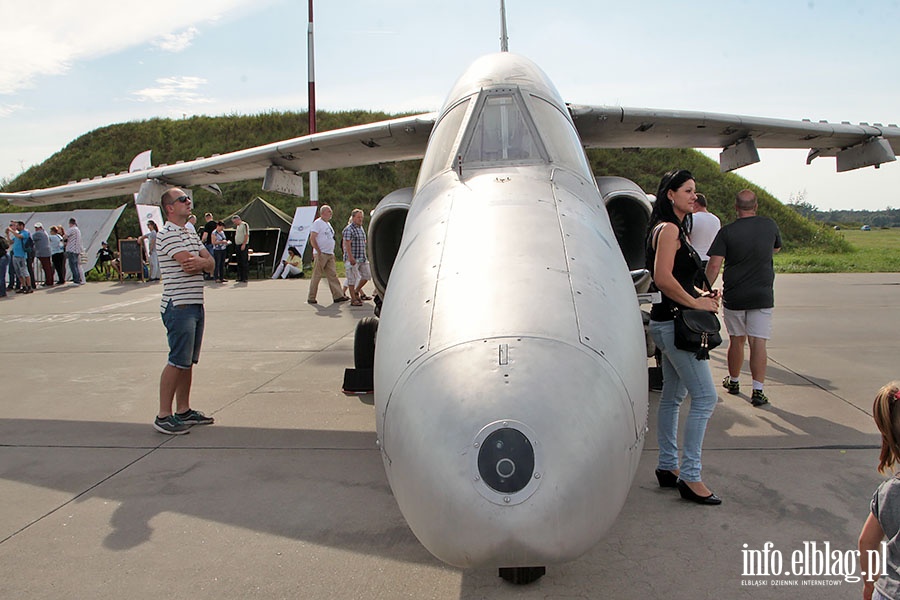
(674, 271)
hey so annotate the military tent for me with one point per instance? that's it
(269, 228)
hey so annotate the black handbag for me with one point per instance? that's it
(696, 331)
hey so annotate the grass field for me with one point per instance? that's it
(876, 251)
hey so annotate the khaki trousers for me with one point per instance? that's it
(325, 266)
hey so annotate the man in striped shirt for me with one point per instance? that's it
(182, 261)
(73, 251)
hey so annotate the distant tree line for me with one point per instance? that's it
(851, 219)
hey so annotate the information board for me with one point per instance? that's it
(130, 257)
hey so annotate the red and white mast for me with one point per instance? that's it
(311, 91)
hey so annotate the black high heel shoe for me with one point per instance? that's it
(688, 494)
(666, 479)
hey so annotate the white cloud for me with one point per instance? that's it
(175, 89)
(176, 42)
(8, 109)
(253, 61)
(45, 38)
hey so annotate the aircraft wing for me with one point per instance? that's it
(399, 139)
(623, 127)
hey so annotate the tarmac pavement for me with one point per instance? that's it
(285, 496)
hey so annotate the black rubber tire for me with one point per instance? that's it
(364, 343)
(521, 575)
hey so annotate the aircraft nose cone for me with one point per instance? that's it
(501, 463)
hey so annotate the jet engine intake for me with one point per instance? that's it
(629, 212)
(385, 233)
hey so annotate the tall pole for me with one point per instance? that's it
(504, 38)
(311, 91)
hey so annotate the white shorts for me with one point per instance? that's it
(756, 322)
(357, 273)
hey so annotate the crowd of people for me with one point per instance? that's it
(60, 255)
(53, 250)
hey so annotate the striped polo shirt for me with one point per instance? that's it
(178, 286)
(73, 240)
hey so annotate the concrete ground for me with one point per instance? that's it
(285, 496)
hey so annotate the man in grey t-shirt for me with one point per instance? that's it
(746, 246)
(42, 252)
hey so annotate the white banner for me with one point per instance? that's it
(299, 235)
(148, 212)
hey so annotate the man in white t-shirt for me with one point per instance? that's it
(321, 238)
(182, 261)
(703, 232)
(706, 226)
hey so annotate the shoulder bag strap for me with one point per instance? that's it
(696, 257)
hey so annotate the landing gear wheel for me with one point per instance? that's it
(364, 343)
(522, 575)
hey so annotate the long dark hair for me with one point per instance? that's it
(662, 208)
(664, 213)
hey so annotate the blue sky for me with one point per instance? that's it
(70, 67)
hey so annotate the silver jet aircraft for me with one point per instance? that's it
(510, 369)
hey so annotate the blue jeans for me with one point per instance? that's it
(13, 278)
(219, 271)
(74, 267)
(4, 265)
(682, 374)
(184, 331)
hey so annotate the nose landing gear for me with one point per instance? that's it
(522, 575)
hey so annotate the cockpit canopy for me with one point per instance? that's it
(502, 126)
(502, 132)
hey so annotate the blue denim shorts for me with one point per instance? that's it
(184, 330)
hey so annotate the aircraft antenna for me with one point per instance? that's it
(504, 38)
